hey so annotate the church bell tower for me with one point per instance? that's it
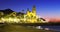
(34, 10)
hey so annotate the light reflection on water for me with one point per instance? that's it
(57, 28)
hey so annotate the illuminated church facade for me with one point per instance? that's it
(31, 15)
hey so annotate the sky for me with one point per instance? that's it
(44, 8)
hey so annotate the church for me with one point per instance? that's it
(31, 16)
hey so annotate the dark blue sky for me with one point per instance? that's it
(45, 8)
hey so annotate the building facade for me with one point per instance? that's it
(28, 17)
(31, 16)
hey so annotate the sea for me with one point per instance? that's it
(56, 27)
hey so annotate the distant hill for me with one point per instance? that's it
(20, 13)
(7, 11)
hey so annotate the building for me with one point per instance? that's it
(31, 16)
(21, 17)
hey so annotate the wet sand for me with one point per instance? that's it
(19, 28)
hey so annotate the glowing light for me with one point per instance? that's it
(39, 27)
(47, 29)
(29, 17)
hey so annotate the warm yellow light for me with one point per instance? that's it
(16, 20)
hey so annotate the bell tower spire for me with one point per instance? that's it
(34, 10)
(27, 9)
